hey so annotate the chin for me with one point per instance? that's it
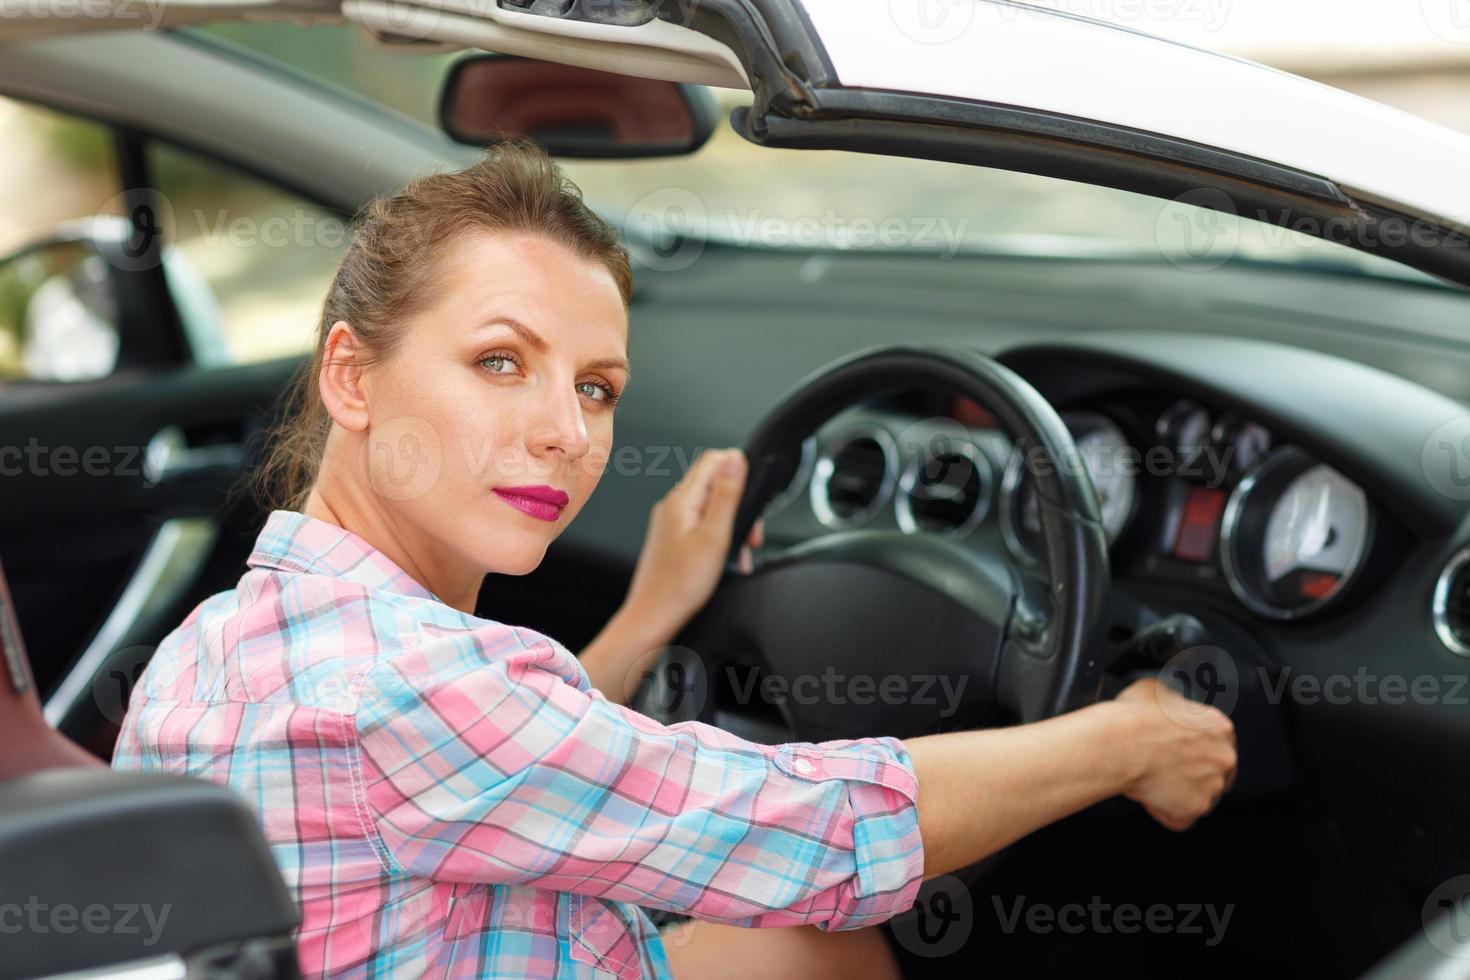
(513, 561)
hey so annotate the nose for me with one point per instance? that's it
(558, 425)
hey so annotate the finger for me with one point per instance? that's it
(1167, 820)
(724, 495)
(692, 491)
(757, 537)
(746, 561)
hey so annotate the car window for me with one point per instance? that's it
(249, 262)
(738, 193)
(57, 322)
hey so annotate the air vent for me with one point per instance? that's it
(854, 476)
(946, 488)
(1451, 607)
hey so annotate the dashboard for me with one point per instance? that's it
(1349, 375)
(1188, 492)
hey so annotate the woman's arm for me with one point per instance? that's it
(982, 790)
(489, 762)
(682, 559)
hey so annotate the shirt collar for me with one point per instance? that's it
(294, 542)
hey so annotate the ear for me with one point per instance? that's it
(340, 380)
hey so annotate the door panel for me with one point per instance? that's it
(86, 504)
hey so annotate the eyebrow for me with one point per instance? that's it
(538, 343)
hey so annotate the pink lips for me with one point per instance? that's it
(540, 501)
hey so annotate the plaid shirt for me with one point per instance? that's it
(448, 796)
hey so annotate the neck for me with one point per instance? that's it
(339, 503)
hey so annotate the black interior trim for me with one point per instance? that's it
(183, 860)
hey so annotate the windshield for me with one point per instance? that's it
(741, 194)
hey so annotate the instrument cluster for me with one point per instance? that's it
(1186, 493)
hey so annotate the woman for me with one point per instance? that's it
(458, 797)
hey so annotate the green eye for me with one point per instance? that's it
(497, 364)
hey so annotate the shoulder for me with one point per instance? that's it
(448, 647)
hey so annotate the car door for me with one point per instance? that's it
(125, 496)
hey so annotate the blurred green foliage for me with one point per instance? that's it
(345, 55)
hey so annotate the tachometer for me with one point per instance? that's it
(1111, 463)
(1184, 427)
(1295, 533)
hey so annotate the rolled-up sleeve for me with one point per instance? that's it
(488, 764)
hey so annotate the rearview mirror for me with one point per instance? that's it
(573, 112)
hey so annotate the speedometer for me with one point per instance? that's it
(1295, 533)
(1110, 463)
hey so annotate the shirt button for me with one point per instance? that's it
(803, 766)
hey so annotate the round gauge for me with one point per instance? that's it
(1111, 464)
(1295, 533)
(1241, 444)
(1184, 427)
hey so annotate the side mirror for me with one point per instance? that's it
(83, 301)
(573, 112)
(58, 312)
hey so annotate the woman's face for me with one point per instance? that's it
(498, 401)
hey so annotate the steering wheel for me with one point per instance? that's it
(867, 632)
